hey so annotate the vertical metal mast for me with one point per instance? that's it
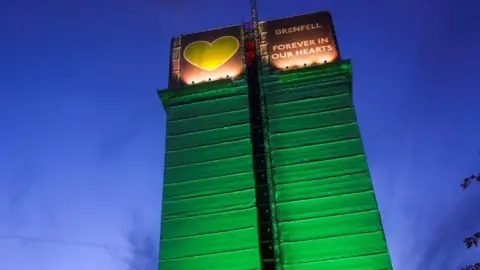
(269, 231)
(253, 12)
(260, 157)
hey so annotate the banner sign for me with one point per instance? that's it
(301, 40)
(208, 56)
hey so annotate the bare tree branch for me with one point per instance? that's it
(475, 239)
(472, 241)
(469, 180)
(472, 267)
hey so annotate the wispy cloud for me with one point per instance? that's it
(24, 177)
(143, 246)
(443, 248)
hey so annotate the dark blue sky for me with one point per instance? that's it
(82, 130)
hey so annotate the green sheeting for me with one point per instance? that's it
(324, 208)
(326, 212)
(209, 218)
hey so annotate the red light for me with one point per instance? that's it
(249, 58)
(249, 46)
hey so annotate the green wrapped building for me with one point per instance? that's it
(209, 217)
(268, 171)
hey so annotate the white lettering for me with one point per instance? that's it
(281, 55)
(294, 29)
(311, 50)
(323, 40)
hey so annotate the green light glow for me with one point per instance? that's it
(325, 211)
(209, 218)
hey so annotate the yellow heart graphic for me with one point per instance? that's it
(209, 56)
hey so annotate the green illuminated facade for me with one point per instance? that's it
(322, 206)
(208, 214)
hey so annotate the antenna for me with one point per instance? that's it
(259, 69)
(254, 14)
(253, 10)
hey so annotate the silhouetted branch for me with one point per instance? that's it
(472, 267)
(468, 181)
(472, 241)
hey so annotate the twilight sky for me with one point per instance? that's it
(82, 130)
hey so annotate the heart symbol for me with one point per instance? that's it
(209, 56)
